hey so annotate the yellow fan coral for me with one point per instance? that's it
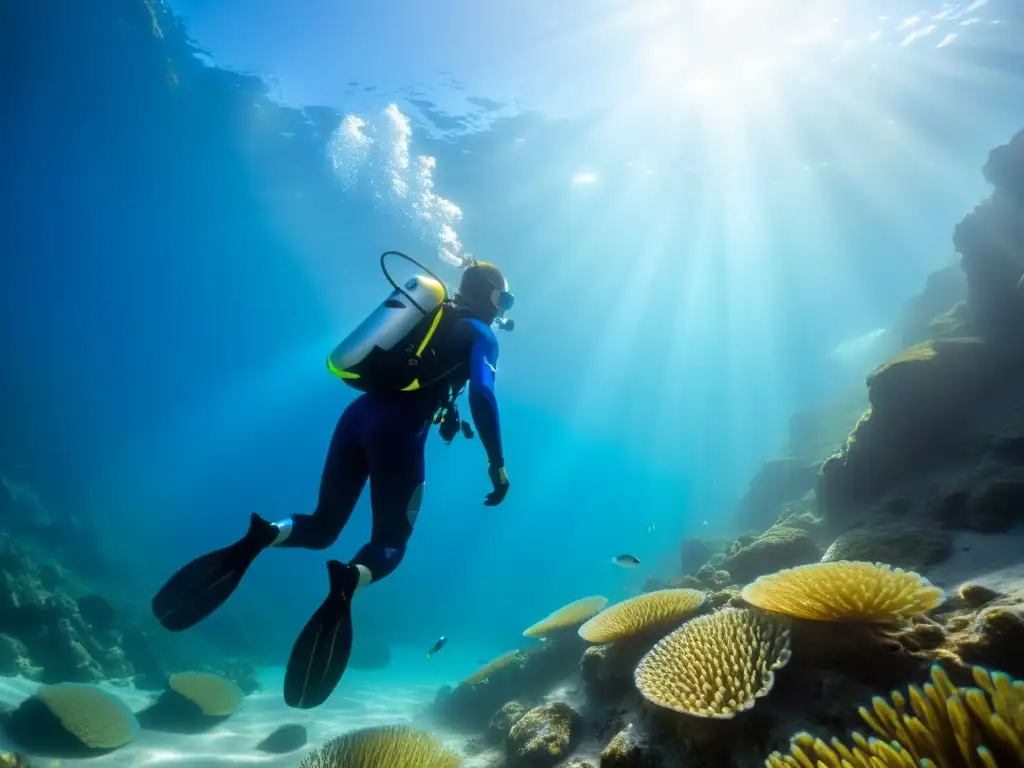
(385, 746)
(843, 591)
(571, 615)
(715, 666)
(491, 667)
(630, 617)
(214, 695)
(943, 727)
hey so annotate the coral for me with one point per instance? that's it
(778, 547)
(501, 723)
(640, 614)
(940, 725)
(514, 676)
(910, 546)
(194, 702)
(71, 720)
(284, 739)
(492, 666)
(715, 666)
(543, 736)
(568, 616)
(214, 695)
(843, 590)
(629, 749)
(385, 746)
(241, 672)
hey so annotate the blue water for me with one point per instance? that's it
(686, 249)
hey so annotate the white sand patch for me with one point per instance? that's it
(992, 560)
(399, 694)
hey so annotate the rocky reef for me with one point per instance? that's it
(885, 551)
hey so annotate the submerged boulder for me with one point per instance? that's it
(912, 546)
(777, 548)
(543, 737)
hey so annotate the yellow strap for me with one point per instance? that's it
(339, 372)
(430, 333)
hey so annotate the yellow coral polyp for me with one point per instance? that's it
(715, 666)
(845, 591)
(491, 667)
(571, 615)
(637, 614)
(387, 746)
(943, 727)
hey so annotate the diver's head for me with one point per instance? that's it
(484, 291)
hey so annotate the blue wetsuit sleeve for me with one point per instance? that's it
(483, 357)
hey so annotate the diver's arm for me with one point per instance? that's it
(483, 404)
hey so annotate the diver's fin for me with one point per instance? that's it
(321, 652)
(202, 586)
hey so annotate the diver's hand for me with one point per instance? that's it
(499, 479)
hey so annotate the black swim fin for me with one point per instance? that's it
(202, 586)
(321, 652)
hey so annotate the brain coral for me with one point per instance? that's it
(715, 666)
(941, 726)
(633, 616)
(214, 695)
(386, 746)
(571, 615)
(845, 591)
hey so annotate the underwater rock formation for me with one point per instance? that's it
(938, 311)
(990, 241)
(904, 545)
(779, 547)
(517, 675)
(630, 749)
(778, 481)
(501, 722)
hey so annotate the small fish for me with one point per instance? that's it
(437, 646)
(650, 527)
(705, 523)
(626, 561)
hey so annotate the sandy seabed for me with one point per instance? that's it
(399, 694)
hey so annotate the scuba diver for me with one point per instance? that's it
(411, 358)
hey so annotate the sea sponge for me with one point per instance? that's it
(193, 703)
(571, 615)
(384, 746)
(844, 591)
(637, 614)
(492, 666)
(71, 720)
(942, 726)
(715, 666)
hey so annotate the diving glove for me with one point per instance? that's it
(499, 479)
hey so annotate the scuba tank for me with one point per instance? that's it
(389, 350)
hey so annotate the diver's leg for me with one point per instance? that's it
(202, 586)
(321, 652)
(344, 477)
(396, 495)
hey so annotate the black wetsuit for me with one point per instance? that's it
(382, 438)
